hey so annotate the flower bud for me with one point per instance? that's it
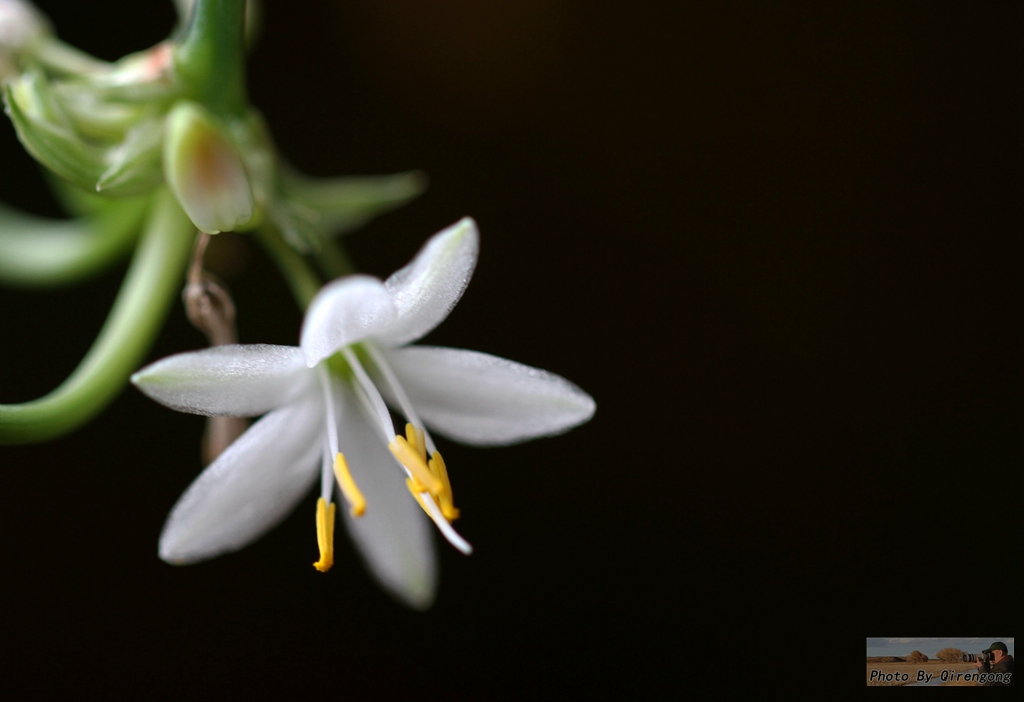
(205, 171)
(45, 132)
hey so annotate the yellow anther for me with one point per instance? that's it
(416, 440)
(427, 476)
(444, 497)
(355, 499)
(409, 457)
(325, 535)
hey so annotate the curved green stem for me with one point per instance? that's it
(151, 284)
(333, 259)
(64, 58)
(211, 59)
(301, 278)
(35, 251)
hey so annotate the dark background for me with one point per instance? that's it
(775, 244)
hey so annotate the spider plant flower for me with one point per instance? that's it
(326, 405)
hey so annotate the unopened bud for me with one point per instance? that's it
(205, 171)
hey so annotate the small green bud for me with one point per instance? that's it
(205, 171)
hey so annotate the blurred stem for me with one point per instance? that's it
(150, 286)
(211, 58)
(64, 58)
(333, 260)
(301, 278)
(36, 251)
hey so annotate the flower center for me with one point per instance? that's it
(427, 480)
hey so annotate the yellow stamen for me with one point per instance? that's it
(415, 488)
(427, 476)
(324, 535)
(356, 501)
(416, 440)
(444, 496)
(410, 457)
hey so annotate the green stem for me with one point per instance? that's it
(301, 278)
(150, 286)
(64, 58)
(333, 259)
(35, 251)
(211, 58)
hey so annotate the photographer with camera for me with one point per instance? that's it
(995, 659)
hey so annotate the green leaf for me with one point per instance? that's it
(343, 204)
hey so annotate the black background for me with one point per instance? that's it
(774, 243)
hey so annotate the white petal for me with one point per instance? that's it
(252, 486)
(427, 289)
(394, 536)
(344, 312)
(236, 380)
(484, 400)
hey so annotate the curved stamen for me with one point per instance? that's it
(332, 426)
(398, 391)
(414, 465)
(444, 498)
(338, 467)
(325, 535)
(410, 455)
(446, 529)
(355, 499)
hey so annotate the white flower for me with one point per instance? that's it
(325, 405)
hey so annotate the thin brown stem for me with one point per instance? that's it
(210, 309)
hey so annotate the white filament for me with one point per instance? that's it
(449, 533)
(370, 395)
(399, 392)
(331, 449)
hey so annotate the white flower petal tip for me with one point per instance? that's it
(426, 290)
(393, 536)
(235, 380)
(344, 312)
(485, 400)
(252, 486)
